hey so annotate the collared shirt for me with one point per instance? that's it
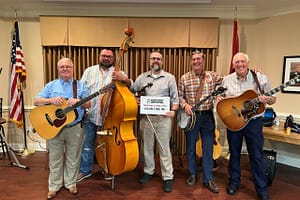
(189, 86)
(164, 85)
(61, 88)
(236, 86)
(95, 78)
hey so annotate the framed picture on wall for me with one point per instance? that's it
(291, 70)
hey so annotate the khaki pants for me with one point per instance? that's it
(163, 126)
(65, 146)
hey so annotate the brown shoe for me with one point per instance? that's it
(51, 194)
(73, 190)
(211, 186)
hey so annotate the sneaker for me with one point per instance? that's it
(107, 176)
(81, 176)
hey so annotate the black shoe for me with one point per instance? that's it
(232, 189)
(168, 185)
(192, 179)
(263, 197)
(211, 186)
(145, 178)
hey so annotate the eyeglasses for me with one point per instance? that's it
(65, 67)
(155, 58)
(106, 56)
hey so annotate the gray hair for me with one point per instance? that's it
(65, 59)
(241, 54)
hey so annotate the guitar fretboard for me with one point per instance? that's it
(83, 101)
(279, 88)
(220, 90)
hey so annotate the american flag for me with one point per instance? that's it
(17, 79)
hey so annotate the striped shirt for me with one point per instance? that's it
(95, 78)
(189, 86)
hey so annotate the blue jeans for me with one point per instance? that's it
(205, 124)
(88, 148)
(255, 142)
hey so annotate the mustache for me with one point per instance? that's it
(105, 64)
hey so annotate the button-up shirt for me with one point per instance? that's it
(189, 86)
(64, 89)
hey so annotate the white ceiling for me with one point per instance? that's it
(249, 9)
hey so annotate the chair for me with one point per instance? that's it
(2, 133)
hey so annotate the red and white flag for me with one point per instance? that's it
(235, 43)
(17, 79)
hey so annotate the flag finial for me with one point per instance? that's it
(16, 14)
(235, 12)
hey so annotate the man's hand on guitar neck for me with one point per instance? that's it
(71, 101)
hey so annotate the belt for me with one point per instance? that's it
(71, 125)
(203, 112)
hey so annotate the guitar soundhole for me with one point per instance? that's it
(59, 114)
(248, 105)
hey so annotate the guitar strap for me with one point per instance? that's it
(75, 97)
(257, 82)
(74, 89)
(199, 93)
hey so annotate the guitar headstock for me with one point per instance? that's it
(295, 78)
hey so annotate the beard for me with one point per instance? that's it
(105, 64)
(156, 67)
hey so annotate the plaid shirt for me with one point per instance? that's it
(189, 85)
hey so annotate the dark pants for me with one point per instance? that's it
(255, 142)
(205, 124)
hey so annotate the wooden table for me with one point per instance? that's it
(281, 135)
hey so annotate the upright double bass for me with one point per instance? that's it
(116, 145)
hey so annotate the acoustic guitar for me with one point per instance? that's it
(186, 121)
(236, 112)
(217, 147)
(48, 120)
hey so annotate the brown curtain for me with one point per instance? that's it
(151, 32)
(134, 62)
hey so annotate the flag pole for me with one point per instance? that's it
(26, 151)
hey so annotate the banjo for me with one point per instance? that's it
(186, 121)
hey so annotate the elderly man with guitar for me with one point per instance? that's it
(243, 119)
(64, 127)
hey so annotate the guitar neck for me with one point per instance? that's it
(279, 88)
(83, 101)
(202, 101)
(220, 90)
